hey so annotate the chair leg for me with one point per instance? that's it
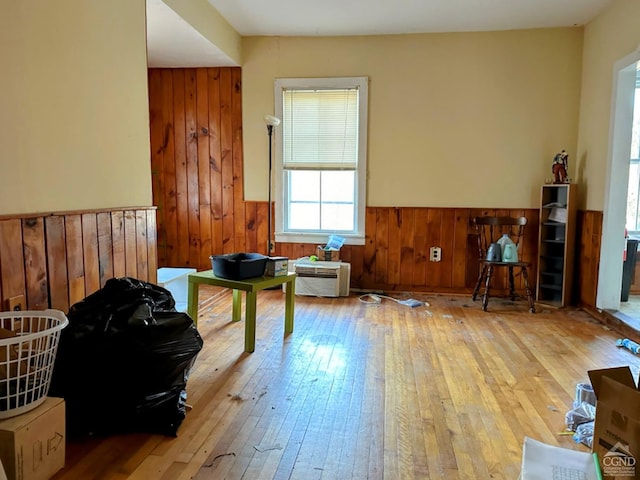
(525, 276)
(483, 272)
(512, 288)
(485, 296)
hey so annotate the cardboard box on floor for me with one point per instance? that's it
(32, 445)
(616, 436)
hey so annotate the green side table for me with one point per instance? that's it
(250, 285)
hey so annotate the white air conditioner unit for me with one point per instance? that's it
(321, 279)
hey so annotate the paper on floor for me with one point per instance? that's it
(541, 461)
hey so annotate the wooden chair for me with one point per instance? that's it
(489, 230)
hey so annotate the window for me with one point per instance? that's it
(321, 159)
(633, 192)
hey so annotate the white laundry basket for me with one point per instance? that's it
(28, 345)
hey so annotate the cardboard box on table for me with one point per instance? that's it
(616, 436)
(32, 445)
(326, 254)
(277, 267)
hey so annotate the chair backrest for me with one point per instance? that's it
(490, 229)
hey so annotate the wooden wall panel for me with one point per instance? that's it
(407, 244)
(193, 190)
(91, 255)
(196, 144)
(35, 263)
(57, 259)
(381, 236)
(181, 249)
(460, 243)
(446, 243)
(215, 161)
(130, 241)
(57, 262)
(356, 258)
(228, 180)
(72, 244)
(168, 203)
(394, 251)
(105, 247)
(204, 177)
(12, 278)
(157, 136)
(251, 217)
(374, 265)
(588, 238)
(434, 221)
(152, 249)
(420, 249)
(239, 219)
(142, 270)
(118, 244)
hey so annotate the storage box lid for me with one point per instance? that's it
(618, 374)
(166, 274)
(13, 424)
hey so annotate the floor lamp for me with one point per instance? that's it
(271, 122)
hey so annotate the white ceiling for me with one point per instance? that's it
(173, 42)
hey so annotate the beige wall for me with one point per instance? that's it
(74, 127)
(447, 111)
(609, 38)
(461, 119)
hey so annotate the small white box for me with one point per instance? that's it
(175, 280)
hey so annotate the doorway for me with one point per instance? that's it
(614, 215)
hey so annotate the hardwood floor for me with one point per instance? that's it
(630, 311)
(362, 391)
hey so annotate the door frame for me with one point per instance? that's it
(617, 181)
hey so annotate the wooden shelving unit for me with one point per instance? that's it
(556, 244)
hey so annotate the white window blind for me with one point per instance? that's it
(320, 129)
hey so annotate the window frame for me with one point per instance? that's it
(634, 160)
(320, 238)
(633, 231)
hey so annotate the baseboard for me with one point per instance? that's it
(616, 321)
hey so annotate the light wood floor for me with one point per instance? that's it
(367, 392)
(629, 312)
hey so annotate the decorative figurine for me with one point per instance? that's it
(559, 167)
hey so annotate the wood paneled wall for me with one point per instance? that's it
(396, 251)
(197, 166)
(589, 237)
(55, 260)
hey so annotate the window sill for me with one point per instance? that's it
(317, 238)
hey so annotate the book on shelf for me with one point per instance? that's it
(558, 214)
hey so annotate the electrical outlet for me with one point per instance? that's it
(16, 303)
(435, 254)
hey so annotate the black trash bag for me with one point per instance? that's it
(124, 360)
